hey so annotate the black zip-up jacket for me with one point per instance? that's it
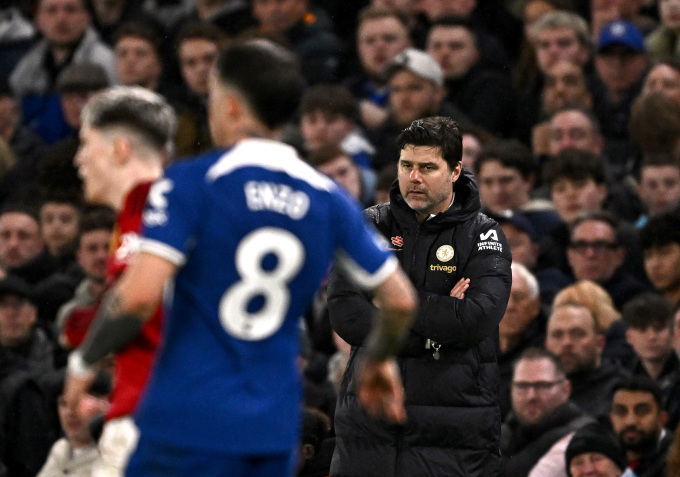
(453, 426)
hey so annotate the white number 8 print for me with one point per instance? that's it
(255, 281)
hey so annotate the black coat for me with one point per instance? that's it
(453, 423)
(523, 446)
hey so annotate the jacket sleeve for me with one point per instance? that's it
(464, 323)
(351, 310)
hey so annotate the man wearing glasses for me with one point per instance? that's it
(595, 253)
(543, 419)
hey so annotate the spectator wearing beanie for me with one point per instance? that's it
(595, 448)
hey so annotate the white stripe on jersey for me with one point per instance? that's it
(270, 155)
(359, 275)
(155, 247)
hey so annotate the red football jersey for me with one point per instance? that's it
(133, 363)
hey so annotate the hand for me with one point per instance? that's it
(371, 114)
(380, 390)
(458, 290)
(74, 389)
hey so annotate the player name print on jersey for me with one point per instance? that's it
(278, 198)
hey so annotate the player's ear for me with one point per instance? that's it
(122, 149)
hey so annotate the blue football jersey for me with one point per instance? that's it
(253, 230)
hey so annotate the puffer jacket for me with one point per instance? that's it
(453, 426)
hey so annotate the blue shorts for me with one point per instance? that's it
(152, 459)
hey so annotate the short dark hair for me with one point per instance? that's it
(97, 217)
(435, 131)
(204, 30)
(373, 13)
(575, 165)
(332, 99)
(641, 384)
(267, 75)
(143, 31)
(660, 230)
(325, 153)
(647, 309)
(598, 216)
(510, 153)
(658, 159)
(17, 207)
(534, 353)
(451, 21)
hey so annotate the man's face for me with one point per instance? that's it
(565, 84)
(659, 188)
(663, 79)
(571, 336)
(75, 422)
(425, 180)
(137, 62)
(72, 104)
(59, 222)
(573, 129)
(652, 343)
(593, 464)
(62, 22)
(277, 16)
(523, 249)
(93, 253)
(454, 49)
(522, 308)
(502, 188)
(319, 129)
(593, 252)
(572, 197)
(636, 419)
(413, 97)
(196, 58)
(19, 239)
(537, 390)
(17, 316)
(669, 11)
(345, 173)
(662, 265)
(619, 67)
(94, 161)
(557, 45)
(378, 41)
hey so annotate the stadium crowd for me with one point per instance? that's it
(569, 112)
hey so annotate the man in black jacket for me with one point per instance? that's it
(459, 261)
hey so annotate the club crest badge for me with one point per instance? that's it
(445, 253)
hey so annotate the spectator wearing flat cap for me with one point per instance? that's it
(594, 450)
(416, 90)
(621, 63)
(77, 83)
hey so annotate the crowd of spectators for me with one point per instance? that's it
(570, 116)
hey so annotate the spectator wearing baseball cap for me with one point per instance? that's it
(621, 64)
(593, 448)
(416, 90)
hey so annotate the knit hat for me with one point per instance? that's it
(594, 437)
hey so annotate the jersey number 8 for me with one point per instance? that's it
(255, 281)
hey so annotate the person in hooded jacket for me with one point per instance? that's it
(459, 261)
